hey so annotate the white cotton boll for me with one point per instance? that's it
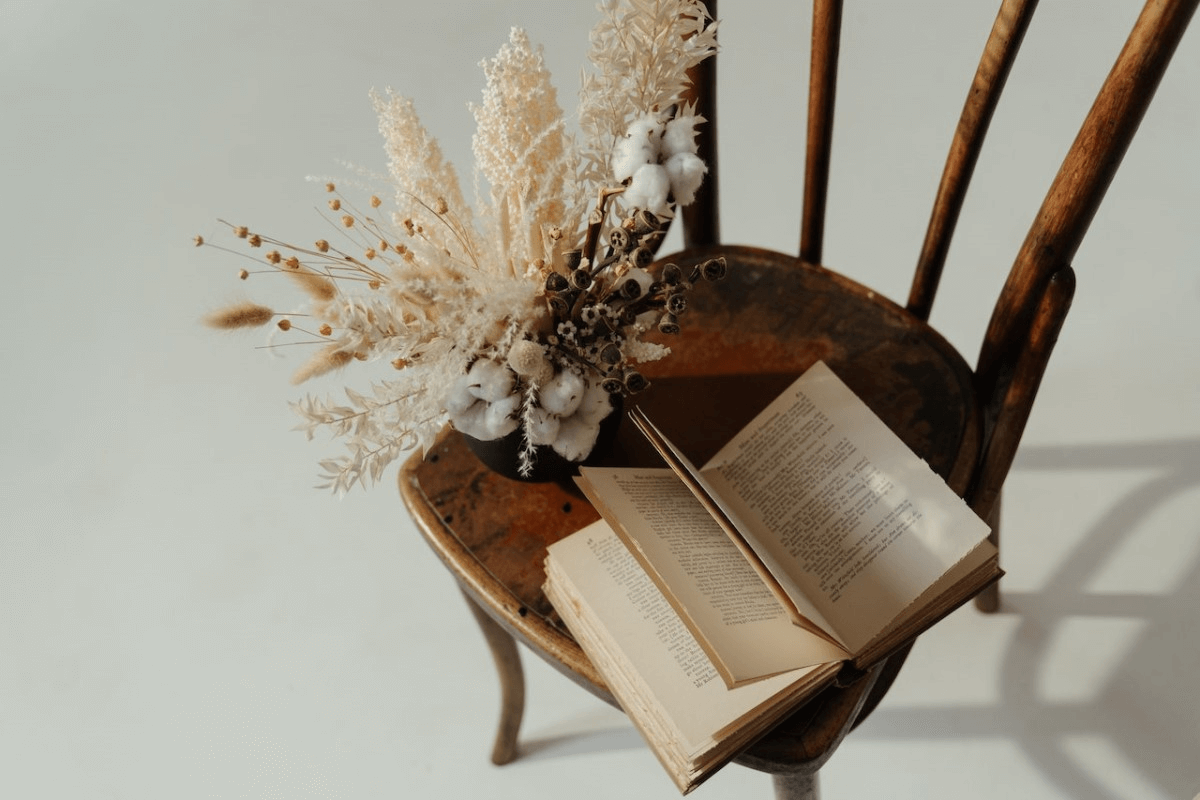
(576, 439)
(562, 393)
(627, 158)
(639, 146)
(680, 136)
(685, 172)
(595, 406)
(501, 416)
(541, 427)
(649, 189)
(472, 421)
(460, 398)
(490, 380)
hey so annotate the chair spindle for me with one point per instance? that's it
(994, 66)
(822, 85)
(702, 218)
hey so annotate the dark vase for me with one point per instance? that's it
(503, 455)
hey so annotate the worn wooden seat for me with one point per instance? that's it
(746, 338)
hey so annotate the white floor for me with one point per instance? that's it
(181, 616)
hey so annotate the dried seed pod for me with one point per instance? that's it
(645, 222)
(605, 326)
(671, 274)
(611, 354)
(572, 259)
(559, 305)
(556, 282)
(619, 239)
(580, 279)
(634, 381)
(641, 257)
(631, 289)
(668, 324)
(714, 269)
(676, 303)
(613, 386)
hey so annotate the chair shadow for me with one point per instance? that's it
(1146, 710)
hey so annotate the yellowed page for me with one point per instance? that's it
(764, 560)
(740, 624)
(654, 666)
(860, 524)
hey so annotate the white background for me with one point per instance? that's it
(182, 616)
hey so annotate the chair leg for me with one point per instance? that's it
(988, 601)
(512, 683)
(796, 786)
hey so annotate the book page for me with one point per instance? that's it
(653, 665)
(739, 622)
(801, 610)
(861, 524)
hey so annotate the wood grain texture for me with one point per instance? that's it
(999, 54)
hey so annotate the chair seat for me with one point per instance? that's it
(743, 340)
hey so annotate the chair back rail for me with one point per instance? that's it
(994, 66)
(702, 218)
(822, 89)
(1077, 190)
(1013, 409)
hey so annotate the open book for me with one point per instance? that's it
(815, 538)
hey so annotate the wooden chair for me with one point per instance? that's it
(773, 316)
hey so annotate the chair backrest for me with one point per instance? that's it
(1031, 307)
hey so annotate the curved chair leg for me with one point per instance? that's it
(512, 683)
(797, 786)
(988, 601)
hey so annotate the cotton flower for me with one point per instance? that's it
(562, 394)
(679, 136)
(576, 438)
(649, 189)
(541, 427)
(472, 421)
(595, 405)
(685, 172)
(490, 380)
(658, 162)
(639, 146)
(501, 416)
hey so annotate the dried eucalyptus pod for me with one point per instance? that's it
(619, 240)
(714, 269)
(581, 279)
(641, 257)
(634, 381)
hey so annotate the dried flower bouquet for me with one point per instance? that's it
(528, 313)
